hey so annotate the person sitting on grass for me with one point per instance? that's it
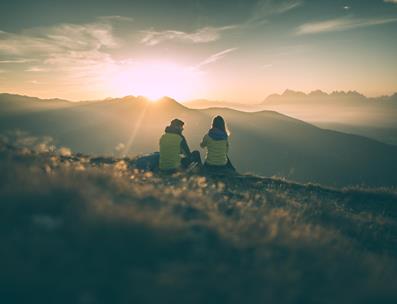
(174, 150)
(217, 145)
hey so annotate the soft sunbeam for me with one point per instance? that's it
(135, 130)
(155, 80)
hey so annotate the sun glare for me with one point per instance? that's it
(155, 80)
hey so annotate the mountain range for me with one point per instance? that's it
(265, 142)
(349, 112)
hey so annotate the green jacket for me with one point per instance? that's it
(216, 150)
(172, 145)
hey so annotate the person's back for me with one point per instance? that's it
(217, 144)
(217, 147)
(172, 145)
(170, 150)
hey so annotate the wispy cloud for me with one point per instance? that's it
(340, 24)
(215, 57)
(36, 82)
(266, 8)
(260, 12)
(35, 69)
(56, 39)
(116, 18)
(16, 61)
(77, 53)
(391, 1)
(66, 47)
(267, 65)
(202, 35)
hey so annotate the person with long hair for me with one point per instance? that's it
(216, 141)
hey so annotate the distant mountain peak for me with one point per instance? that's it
(292, 93)
(317, 93)
(347, 94)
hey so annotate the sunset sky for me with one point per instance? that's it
(239, 51)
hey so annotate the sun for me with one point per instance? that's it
(156, 79)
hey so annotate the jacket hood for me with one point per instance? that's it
(172, 129)
(217, 134)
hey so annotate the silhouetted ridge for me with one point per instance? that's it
(26, 98)
(169, 102)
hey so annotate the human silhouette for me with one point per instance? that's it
(174, 150)
(216, 142)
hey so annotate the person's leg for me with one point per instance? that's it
(195, 157)
(229, 165)
(185, 162)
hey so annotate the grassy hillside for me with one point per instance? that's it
(81, 229)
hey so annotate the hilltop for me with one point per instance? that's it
(96, 230)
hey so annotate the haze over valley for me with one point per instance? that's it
(349, 112)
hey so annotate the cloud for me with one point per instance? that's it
(390, 1)
(340, 24)
(16, 61)
(203, 35)
(79, 59)
(35, 69)
(215, 57)
(57, 39)
(267, 8)
(261, 10)
(116, 18)
(267, 65)
(35, 82)
(78, 50)
(60, 42)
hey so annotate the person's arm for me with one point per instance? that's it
(204, 142)
(184, 147)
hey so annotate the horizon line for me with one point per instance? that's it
(307, 93)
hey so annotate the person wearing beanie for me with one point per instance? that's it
(174, 150)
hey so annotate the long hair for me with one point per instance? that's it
(219, 123)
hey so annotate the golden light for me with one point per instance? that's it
(155, 80)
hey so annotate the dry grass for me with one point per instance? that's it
(74, 230)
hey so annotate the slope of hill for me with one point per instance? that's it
(265, 143)
(11, 104)
(79, 229)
